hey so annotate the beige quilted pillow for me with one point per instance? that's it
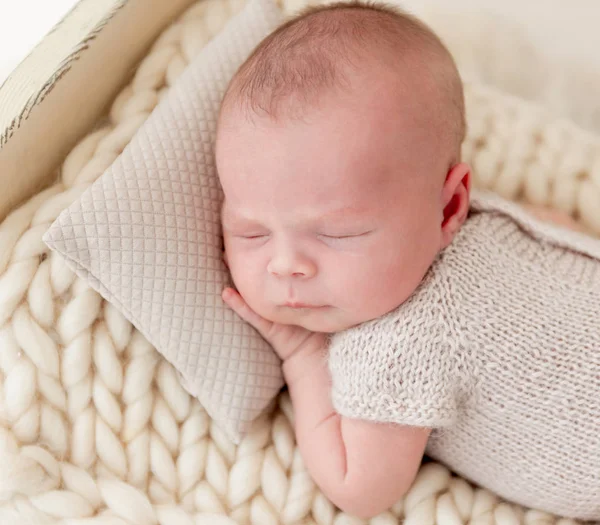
(147, 236)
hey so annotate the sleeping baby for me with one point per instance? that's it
(411, 314)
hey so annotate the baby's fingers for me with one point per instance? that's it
(235, 301)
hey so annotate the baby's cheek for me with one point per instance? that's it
(241, 269)
(356, 281)
(247, 276)
(387, 282)
(237, 268)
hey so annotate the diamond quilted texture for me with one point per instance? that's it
(146, 236)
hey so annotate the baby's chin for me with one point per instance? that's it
(324, 320)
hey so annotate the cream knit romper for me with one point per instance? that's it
(498, 350)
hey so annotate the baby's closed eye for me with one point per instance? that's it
(251, 236)
(245, 231)
(338, 237)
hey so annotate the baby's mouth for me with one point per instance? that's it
(302, 306)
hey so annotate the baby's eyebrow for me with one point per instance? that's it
(337, 215)
(239, 217)
(345, 211)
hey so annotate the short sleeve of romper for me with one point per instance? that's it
(406, 367)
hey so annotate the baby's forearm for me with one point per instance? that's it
(362, 467)
(317, 424)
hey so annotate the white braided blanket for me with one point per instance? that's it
(94, 426)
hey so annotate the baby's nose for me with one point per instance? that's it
(292, 265)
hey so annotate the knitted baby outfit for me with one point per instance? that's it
(498, 350)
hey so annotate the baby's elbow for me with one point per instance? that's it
(366, 502)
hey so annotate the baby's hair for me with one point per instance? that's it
(310, 54)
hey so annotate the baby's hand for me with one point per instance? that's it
(286, 340)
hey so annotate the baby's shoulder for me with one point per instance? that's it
(502, 247)
(509, 226)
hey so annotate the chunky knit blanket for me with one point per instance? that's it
(94, 425)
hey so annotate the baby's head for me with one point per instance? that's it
(338, 150)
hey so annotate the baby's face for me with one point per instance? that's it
(332, 220)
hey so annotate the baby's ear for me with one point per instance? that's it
(455, 197)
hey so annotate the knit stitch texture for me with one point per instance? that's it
(498, 350)
(95, 427)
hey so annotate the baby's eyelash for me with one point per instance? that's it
(333, 238)
(341, 237)
(251, 237)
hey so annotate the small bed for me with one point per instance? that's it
(95, 426)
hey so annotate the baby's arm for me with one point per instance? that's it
(362, 467)
(559, 218)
